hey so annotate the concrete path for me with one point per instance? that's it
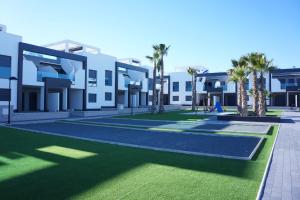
(283, 181)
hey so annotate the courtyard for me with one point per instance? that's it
(126, 158)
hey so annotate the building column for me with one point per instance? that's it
(287, 98)
(46, 98)
(42, 101)
(65, 99)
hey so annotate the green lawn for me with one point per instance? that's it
(37, 166)
(173, 115)
(274, 112)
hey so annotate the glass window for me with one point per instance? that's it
(188, 86)
(291, 82)
(150, 98)
(92, 82)
(264, 82)
(175, 98)
(298, 82)
(175, 86)
(108, 78)
(188, 98)
(108, 96)
(92, 98)
(150, 84)
(282, 84)
(5, 66)
(247, 84)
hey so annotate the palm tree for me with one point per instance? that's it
(193, 73)
(154, 59)
(239, 74)
(252, 60)
(162, 51)
(264, 65)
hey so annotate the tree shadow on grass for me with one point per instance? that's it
(70, 177)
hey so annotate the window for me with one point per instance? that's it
(247, 84)
(188, 98)
(150, 84)
(150, 98)
(223, 85)
(291, 82)
(5, 66)
(175, 86)
(108, 78)
(298, 82)
(92, 78)
(282, 84)
(264, 82)
(92, 98)
(175, 98)
(188, 86)
(108, 96)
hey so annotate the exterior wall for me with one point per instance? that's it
(100, 63)
(134, 75)
(9, 47)
(180, 77)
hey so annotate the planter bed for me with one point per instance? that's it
(249, 118)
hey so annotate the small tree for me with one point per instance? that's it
(239, 74)
(264, 65)
(162, 51)
(154, 59)
(193, 73)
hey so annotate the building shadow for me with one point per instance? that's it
(70, 177)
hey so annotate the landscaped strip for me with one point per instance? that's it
(115, 172)
(171, 116)
(164, 129)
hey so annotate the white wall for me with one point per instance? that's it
(9, 44)
(180, 77)
(101, 62)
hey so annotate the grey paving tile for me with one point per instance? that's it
(284, 179)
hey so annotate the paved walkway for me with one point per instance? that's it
(283, 181)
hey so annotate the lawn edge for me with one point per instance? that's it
(267, 169)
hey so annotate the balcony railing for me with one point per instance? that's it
(214, 89)
(42, 74)
(283, 86)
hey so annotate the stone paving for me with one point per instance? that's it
(283, 181)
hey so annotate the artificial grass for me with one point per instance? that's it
(274, 112)
(173, 116)
(115, 172)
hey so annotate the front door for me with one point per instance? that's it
(33, 101)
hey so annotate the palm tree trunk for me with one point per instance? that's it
(255, 93)
(261, 97)
(244, 100)
(194, 92)
(161, 102)
(154, 95)
(239, 103)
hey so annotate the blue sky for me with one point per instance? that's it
(208, 33)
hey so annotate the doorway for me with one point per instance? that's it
(32, 101)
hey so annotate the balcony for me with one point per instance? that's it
(214, 89)
(283, 86)
(43, 74)
(5, 72)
